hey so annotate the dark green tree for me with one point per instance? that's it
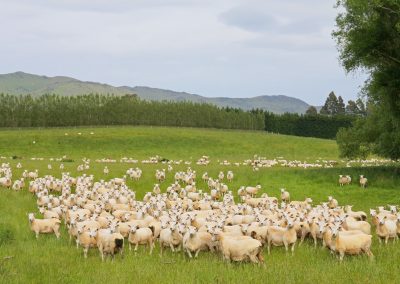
(368, 38)
(341, 107)
(331, 105)
(352, 108)
(312, 110)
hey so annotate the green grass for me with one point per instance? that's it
(49, 261)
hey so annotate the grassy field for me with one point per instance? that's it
(25, 260)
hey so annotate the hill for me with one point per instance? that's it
(24, 83)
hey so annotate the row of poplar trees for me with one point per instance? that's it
(94, 109)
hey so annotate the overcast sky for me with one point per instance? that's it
(234, 48)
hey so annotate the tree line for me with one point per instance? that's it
(94, 109)
(315, 125)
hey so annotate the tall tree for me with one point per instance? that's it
(311, 111)
(352, 107)
(341, 107)
(368, 38)
(331, 105)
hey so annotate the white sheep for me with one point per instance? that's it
(350, 244)
(240, 248)
(44, 226)
(363, 181)
(279, 236)
(110, 244)
(386, 229)
(194, 241)
(285, 195)
(141, 236)
(87, 239)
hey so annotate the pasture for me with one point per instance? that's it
(23, 259)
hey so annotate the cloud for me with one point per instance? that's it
(214, 48)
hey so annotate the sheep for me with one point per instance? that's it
(317, 230)
(33, 175)
(229, 176)
(386, 229)
(141, 236)
(240, 248)
(47, 214)
(253, 190)
(87, 239)
(332, 203)
(44, 226)
(350, 244)
(18, 184)
(106, 171)
(363, 181)
(170, 236)
(344, 180)
(301, 204)
(110, 244)
(285, 196)
(348, 224)
(358, 215)
(5, 182)
(279, 236)
(194, 241)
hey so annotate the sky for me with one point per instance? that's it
(214, 48)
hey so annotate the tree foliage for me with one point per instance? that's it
(54, 111)
(368, 38)
(320, 126)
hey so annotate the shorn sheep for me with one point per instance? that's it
(44, 226)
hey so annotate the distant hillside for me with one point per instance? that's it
(23, 83)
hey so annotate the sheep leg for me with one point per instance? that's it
(269, 247)
(197, 253)
(130, 246)
(172, 247)
(151, 247)
(253, 258)
(85, 251)
(293, 245)
(341, 255)
(386, 240)
(136, 246)
(189, 253)
(37, 235)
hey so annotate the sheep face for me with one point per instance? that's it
(31, 217)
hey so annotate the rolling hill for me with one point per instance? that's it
(24, 83)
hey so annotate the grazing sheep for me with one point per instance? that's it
(44, 226)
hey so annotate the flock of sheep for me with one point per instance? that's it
(106, 215)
